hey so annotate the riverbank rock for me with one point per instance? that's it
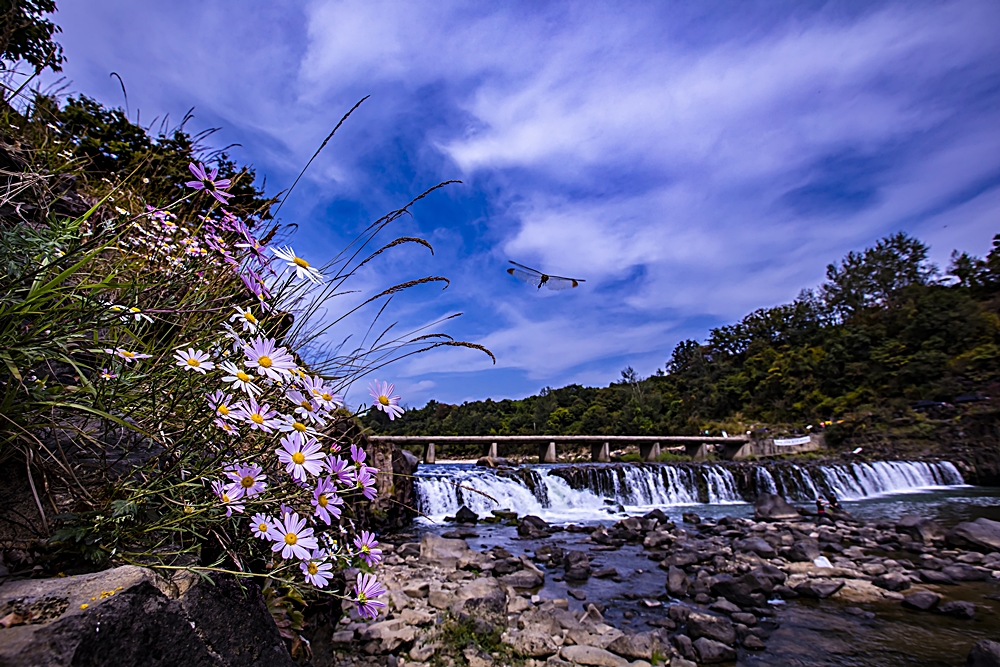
(919, 528)
(922, 600)
(441, 551)
(591, 655)
(981, 535)
(532, 527)
(128, 616)
(984, 653)
(465, 515)
(772, 507)
(711, 652)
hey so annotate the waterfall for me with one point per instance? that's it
(589, 492)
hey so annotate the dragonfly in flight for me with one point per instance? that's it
(538, 279)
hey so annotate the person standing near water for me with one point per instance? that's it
(834, 503)
(821, 506)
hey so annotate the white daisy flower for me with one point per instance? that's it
(239, 378)
(195, 360)
(289, 423)
(292, 538)
(126, 355)
(300, 456)
(301, 267)
(246, 317)
(261, 525)
(269, 359)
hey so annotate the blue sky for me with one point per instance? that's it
(692, 161)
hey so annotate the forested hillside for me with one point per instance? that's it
(884, 331)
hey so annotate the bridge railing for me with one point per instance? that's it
(650, 446)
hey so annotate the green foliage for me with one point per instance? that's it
(879, 334)
(25, 33)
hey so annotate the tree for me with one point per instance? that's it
(876, 277)
(26, 35)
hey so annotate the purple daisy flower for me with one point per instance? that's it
(317, 571)
(258, 416)
(358, 455)
(326, 500)
(248, 480)
(366, 483)
(300, 456)
(382, 399)
(269, 359)
(228, 501)
(365, 590)
(292, 538)
(207, 182)
(367, 548)
(338, 468)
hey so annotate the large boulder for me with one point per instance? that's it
(755, 545)
(441, 551)
(484, 602)
(922, 600)
(719, 628)
(677, 582)
(963, 572)
(981, 535)
(533, 527)
(772, 507)
(533, 643)
(804, 551)
(819, 588)
(465, 515)
(129, 616)
(984, 653)
(711, 652)
(591, 655)
(892, 581)
(919, 528)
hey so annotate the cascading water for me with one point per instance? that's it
(588, 492)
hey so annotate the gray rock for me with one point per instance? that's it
(934, 577)
(892, 581)
(981, 535)
(677, 582)
(737, 591)
(442, 552)
(755, 545)
(725, 606)
(746, 619)
(819, 588)
(390, 634)
(678, 661)
(145, 621)
(465, 515)
(753, 643)
(920, 529)
(958, 609)
(717, 628)
(532, 527)
(639, 646)
(984, 653)
(804, 551)
(710, 651)
(685, 646)
(484, 601)
(922, 600)
(691, 517)
(533, 643)
(591, 655)
(963, 572)
(522, 579)
(772, 507)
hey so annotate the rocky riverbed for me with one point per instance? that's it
(727, 590)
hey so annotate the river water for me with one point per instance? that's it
(806, 633)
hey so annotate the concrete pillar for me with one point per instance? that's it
(429, 453)
(600, 453)
(548, 454)
(698, 451)
(649, 451)
(493, 451)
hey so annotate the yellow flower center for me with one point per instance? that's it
(322, 501)
(257, 418)
(135, 310)
(298, 458)
(126, 353)
(312, 568)
(307, 405)
(248, 482)
(240, 375)
(193, 362)
(365, 549)
(248, 316)
(264, 361)
(384, 400)
(327, 397)
(299, 426)
(225, 498)
(298, 261)
(223, 410)
(291, 538)
(262, 527)
(362, 599)
(188, 509)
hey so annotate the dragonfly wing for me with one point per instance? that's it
(558, 283)
(534, 279)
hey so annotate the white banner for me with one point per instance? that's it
(790, 442)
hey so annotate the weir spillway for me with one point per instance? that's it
(579, 491)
